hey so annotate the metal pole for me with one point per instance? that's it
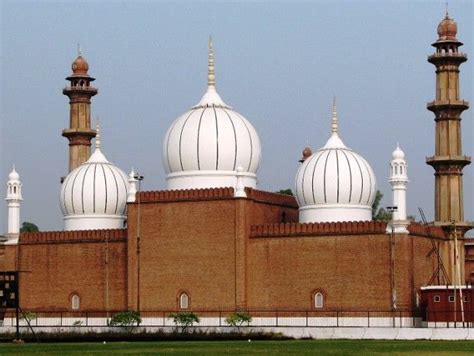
(139, 178)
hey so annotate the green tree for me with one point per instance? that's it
(184, 320)
(287, 191)
(28, 227)
(378, 213)
(127, 319)
(237, 319)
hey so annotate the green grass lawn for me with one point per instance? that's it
(300, 347)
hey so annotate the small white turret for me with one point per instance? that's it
(239, 187)
(398, 180)
(132, 187)
(13, 198)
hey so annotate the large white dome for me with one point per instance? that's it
(94, 195)
(204, 147)
(335, 184)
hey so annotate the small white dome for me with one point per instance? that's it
(14, 175)
(335, 184)
(94, 195)
(398, 153)
(204, 146)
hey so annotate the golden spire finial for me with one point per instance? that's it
(211, 79)
(447, 14)
(97, 136)
(334, 116)
(79, 50)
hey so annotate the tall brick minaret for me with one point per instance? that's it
(448, 161)
(79, 132)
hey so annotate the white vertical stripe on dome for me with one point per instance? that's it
(304, 168)
(343, 174)
(368, 188)
(360, 176)
(122, 192)
(87, 189)
(188, 146)
(217, 136)
(108, 184)
(319, 174)
(250, 140)
(207, 151)
(313, 190)
(189, 143)
(228, 147)
(166, 145)
(330, 178)
(76, 190)
(348, 170)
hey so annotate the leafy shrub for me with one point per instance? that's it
(27, 316)
(126, 319)
(237, 319)
(184, 320)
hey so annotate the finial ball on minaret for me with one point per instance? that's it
(80, 65)
(447, 29)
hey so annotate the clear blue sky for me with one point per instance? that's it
(279, 64)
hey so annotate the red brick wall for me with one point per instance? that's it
(353, 271)
(53, 270)
(469, 262)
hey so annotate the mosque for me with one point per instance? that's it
(213, 241)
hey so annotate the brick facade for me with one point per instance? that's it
(225, 253)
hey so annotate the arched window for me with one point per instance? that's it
(401, 169)
(14, 190)
(396, 169)
(75, 302)
(318, 300)
(183, 301)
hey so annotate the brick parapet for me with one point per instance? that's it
(272, 198)
(426, 230)
(215, 194)
(186, 195)
(318, 229)
(112, 235)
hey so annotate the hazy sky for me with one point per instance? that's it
(277, 63)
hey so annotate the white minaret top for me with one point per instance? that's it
(13, 198)
(132, 187)
(398, 180)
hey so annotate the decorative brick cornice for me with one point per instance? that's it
(426, 230)
(111, 235)
(187, 194)
(215, 194)
(319, 229)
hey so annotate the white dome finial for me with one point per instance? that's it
(334, 126)
(211, 78)
(97, 136)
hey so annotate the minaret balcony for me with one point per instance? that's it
(80, 89)
(449, 163)
(439, 58)
(437, 105)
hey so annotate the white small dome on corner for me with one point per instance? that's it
(94, 195)
(14, 175)
(398, 153)
(204, 147)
